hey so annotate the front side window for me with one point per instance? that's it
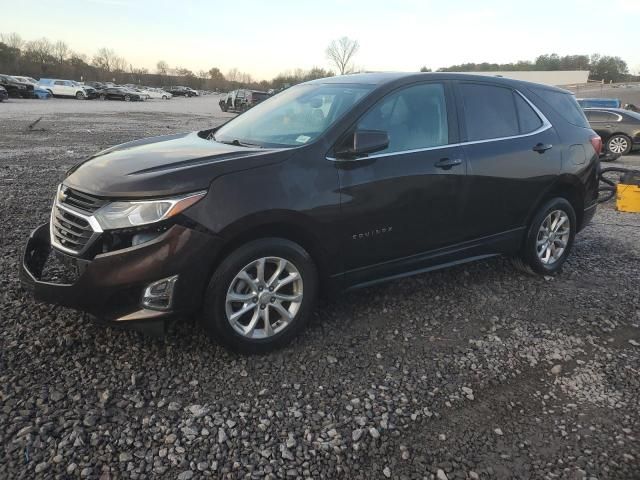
(489, 111)
(295, 117)
(414, 118)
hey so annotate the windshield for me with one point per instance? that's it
(294, 117)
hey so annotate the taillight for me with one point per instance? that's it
(596, 141)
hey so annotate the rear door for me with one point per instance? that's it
(512, 155)
(58, 88)
(403, 200)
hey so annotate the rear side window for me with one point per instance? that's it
(529, 119)
(489, 111)
(565, 104)
(600, 116)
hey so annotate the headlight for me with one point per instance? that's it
(135, 213)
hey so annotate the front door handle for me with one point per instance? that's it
(542, 147)
(447, 163)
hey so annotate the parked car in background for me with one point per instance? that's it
(96, 85)
(179, 91)
(3, 94)
(157, 93)
(619, 129)
(15, 88)
(30, 80)
(89, 90)
(41, 93)
(241, 100)
(120, 93)
(599, 102)
(63, 88)
(337, 183)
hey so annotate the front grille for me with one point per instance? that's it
(69, 230)
(81, 201)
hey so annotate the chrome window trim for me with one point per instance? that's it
(546, 125)
(608, 113)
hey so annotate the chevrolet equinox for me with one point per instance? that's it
(334, 184)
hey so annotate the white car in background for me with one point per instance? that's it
(157, 93)
(63, 88)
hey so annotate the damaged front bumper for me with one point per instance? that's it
(111, 285)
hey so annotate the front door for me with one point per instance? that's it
(404, 200)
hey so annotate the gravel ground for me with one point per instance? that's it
(472, 372)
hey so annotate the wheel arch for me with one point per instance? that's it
(568, 187)
(296, 230)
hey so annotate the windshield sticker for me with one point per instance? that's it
(302, 139)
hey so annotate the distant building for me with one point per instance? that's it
(555, 77)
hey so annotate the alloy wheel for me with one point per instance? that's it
(553, 237)
(264, 297)
(618, 145)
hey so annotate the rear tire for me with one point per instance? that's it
(549, 239)
(127, 98)
(237, 285)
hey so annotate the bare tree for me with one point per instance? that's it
(61, 51)
(119, 64)
(105, 58)
(13, 40)
(341, 52)
(40, 50)
(162, 67)
(246, 78)
(233, 75)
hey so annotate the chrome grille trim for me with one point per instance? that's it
(71, 231)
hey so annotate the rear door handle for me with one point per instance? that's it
(447, 163)
(542, 147)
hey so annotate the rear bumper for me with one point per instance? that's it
(110, 286)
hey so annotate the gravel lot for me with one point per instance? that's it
(473, 372)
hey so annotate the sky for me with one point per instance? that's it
(265, 38)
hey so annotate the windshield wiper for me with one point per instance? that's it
(238, 143)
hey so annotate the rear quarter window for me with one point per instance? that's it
(565, 105)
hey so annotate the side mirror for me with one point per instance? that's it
(362, 143)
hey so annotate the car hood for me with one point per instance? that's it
(164, 166)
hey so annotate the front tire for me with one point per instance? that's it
(549, 238)
(79, 96)
(619, 144)
(261, 296)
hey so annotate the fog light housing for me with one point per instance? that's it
(159, 295)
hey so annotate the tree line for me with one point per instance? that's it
(601, 67)
(43, 58)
